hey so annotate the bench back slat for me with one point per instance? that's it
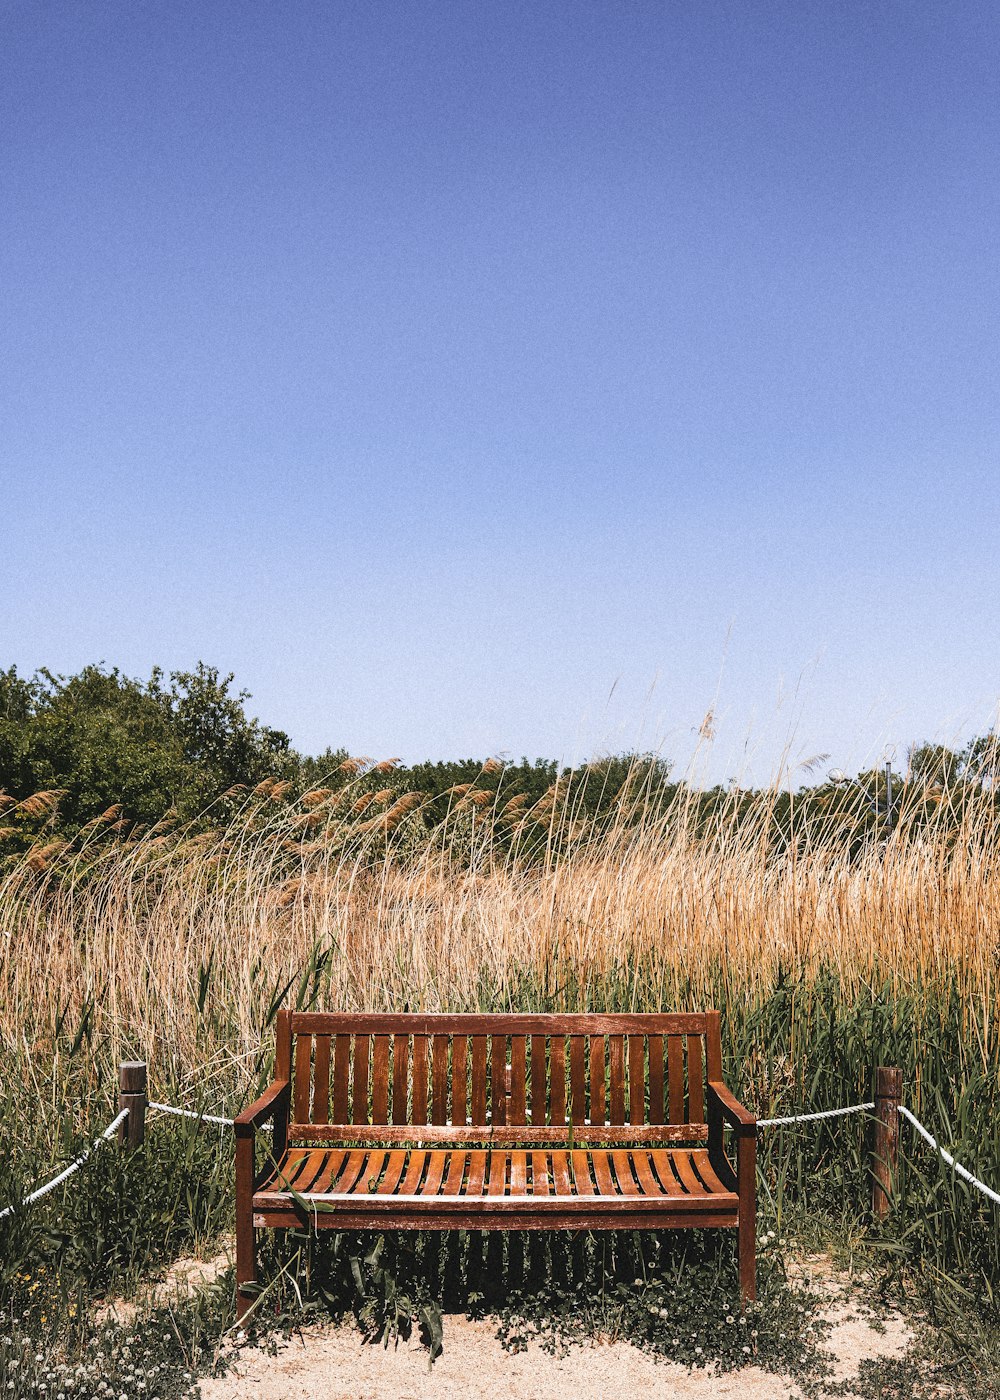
(321, 1082)
(526, 1078)
(380, 1079)
(439, 1081)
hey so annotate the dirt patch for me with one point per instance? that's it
(181, 1280)
(335, 1363)
(186, 1276)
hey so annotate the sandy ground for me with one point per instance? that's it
(335, 1364)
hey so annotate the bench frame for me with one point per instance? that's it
(652, 1082)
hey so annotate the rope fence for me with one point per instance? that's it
(190, 1113)
(957, 1167)
(814, 1117)
(74, 1166)
(129, 1124)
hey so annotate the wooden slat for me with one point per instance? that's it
(644, 1171)
(318, 1178)
(348, 1175)
(601, 1166)
(541, 1179)
(341, 1077)
(368, 1178)
(581, 1174)
(517, 1134)
(662, 1164)
(477, 1173)
(502, 1213)
(656, 1104)
(557, 1080)
(388, 1184)
(497, 1183)
(419, 1111)
(359, 1107)
(518, 1173)
(561, 1174)
(283, 1046)
(459, 1062)
(498, 1077)
(598, 1109)
(696, 1081)
(303, 1071)
(479, 1080)
(687, 1174)
(577, 1079)
(636, 1079)
(616, 1056)
(400, 1078)
(455, 1176)
(304, 1175)
(414, 1171)
(713, 1045)
(427, 1023)
(703, 1165)
(623, 1173)
(321, 1081)
(290, 1162)
(435, 1171)
(675, 1077)
(439, 1080)
(539, 1081)
(517, 1107)
(380, 1080)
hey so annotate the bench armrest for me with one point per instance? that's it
(269, 1105)
(731, 1109)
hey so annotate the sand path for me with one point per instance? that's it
(334, 1363)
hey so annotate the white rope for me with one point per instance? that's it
(189, 1113)
(966, 1175)
(73, 1166)
(202, 1117)
(812, 1117)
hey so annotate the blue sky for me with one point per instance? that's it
(513, 378)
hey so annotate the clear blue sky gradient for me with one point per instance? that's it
(510, 378)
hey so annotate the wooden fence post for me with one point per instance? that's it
(132, 1095)
(885, 1137)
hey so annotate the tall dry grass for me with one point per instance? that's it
(178, 945)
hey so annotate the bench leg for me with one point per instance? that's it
(246, 1235)
(747, 1237)
(747, 1246)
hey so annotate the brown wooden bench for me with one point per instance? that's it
(509, 1122)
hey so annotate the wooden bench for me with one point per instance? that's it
(506, 1122)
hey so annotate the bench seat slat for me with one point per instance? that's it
(393, 1172)
(499, 1023)
(500, 1135)
(451, 1179)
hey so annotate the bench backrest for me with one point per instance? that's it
(497, 1078)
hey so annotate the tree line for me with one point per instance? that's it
(101, 743)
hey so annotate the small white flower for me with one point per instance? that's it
(746, 1350)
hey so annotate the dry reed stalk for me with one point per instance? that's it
(653, 909)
